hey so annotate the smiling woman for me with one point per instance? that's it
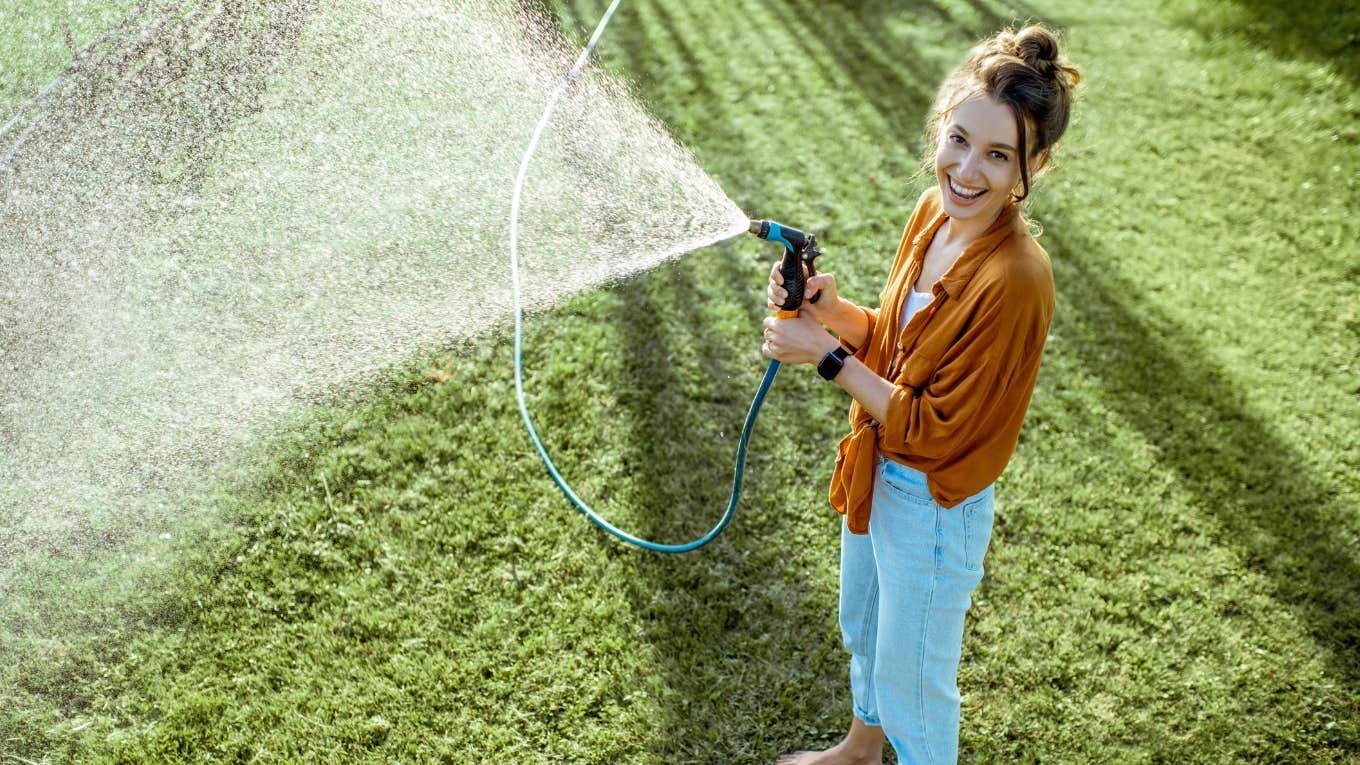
(1022, 73)
(941, 376)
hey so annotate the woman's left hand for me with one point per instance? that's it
(800, 340)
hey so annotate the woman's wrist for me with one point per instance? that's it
(847, 321)
(836, 316)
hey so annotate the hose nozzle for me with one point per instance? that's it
(800, 250)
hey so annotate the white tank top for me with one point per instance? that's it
(915, 302)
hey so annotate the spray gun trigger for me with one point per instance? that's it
(810, 254)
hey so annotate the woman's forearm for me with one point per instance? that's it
(849, 322)
(871, 391)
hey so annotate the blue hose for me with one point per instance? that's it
(646, 544)
(561, 482)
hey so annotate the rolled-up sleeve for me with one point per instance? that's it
(862, 352)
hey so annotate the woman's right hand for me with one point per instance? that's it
(820, 310)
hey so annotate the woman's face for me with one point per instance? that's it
(977, 164)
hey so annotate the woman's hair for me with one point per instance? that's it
(1022, 70)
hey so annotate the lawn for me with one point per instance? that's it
(1173, 576)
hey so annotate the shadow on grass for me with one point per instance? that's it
(170, 65)
(1271, 508)
(1326, 31)
(991, 16)
(727, 621)
(894, 81)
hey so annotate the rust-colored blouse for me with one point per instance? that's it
(964, 366)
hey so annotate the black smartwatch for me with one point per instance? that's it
(831, 363)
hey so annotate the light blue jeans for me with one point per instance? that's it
(905, 587)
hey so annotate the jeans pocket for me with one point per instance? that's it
(977, 531)
(905, 483)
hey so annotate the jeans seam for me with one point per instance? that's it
(968, 538)
(867, 649)
(870, 652)
(925, 635)
(870, 609)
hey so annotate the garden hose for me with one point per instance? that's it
(800, 249)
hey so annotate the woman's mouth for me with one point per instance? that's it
(964, 194)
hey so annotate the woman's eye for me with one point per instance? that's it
(956, 138)
(999, 156)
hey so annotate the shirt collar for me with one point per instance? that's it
(959, 274)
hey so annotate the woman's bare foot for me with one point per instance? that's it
(832, 756)
(863, 745)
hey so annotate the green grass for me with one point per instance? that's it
(1173, 576)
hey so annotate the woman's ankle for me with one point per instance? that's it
(864, 741)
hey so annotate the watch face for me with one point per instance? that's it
(830, 365)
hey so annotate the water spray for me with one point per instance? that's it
(800, 252)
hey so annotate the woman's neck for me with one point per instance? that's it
(958, 234)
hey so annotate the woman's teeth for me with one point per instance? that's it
(964, 191)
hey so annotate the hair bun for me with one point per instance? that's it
(1038, 47)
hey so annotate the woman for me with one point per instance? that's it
(941, 375)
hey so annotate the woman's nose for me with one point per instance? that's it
(968, 166)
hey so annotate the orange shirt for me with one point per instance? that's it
(964, 366)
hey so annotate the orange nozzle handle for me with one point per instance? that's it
(786, 314)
